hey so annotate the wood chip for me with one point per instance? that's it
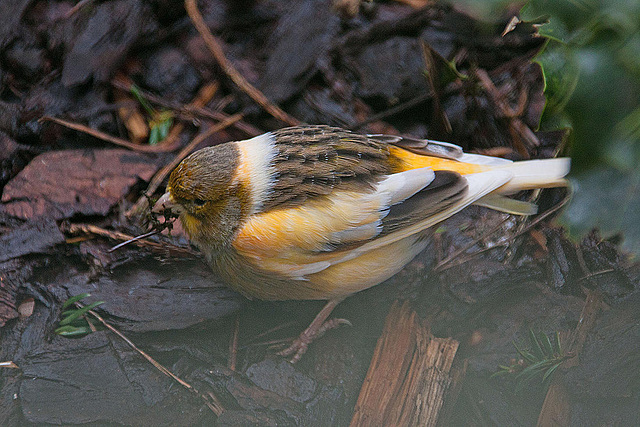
(410, 374)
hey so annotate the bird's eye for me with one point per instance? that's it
(199, 202)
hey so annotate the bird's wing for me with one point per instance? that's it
(345, 224)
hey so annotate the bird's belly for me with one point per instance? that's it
(369, 269)
(336, 281)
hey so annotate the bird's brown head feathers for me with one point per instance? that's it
(210, 200)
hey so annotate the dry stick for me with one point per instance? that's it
(157, 179)
(518, 129)
(463, 249)
(204, 95)
(76, 8)
(228, 68)
(116, 235)
(533, 223)
(9, 364)
(233, 345)
(212, 403)
(202, 98)
(160, 148)
(188, 110)
(406, 105)
(133, 240)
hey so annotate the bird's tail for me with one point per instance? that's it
(532, 174)
(527, 175)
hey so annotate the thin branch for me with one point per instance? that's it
(395, 110)
(76, 8)
(214, 46)
(133, 240)
(233, 345)
(160, 148)
(188, 111)
(209, 399)
(9, 364)
(118, 236)
(441, 266)
(519, 130)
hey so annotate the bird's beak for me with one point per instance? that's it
(164, 202)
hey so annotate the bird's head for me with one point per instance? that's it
(210, 199)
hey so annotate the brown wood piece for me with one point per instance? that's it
(409, 376)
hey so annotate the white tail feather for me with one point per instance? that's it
(531, 174)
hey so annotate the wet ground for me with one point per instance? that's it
(486, 280)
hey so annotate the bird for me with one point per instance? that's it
(315, 212)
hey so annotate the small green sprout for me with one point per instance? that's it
(541, 360)
(160, 122)
(74, 321)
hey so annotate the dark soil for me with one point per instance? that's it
(385, 70)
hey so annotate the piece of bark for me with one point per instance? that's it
(291, 64)
(102, 37)
(8, 294)
(61, 184)
(409, 376)
(32, 237)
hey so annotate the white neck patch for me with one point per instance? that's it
(256, 169)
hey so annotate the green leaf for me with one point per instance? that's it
(160, 126)
(608, 199)
(135, 91)
(558, 345)
(546, 344)
(503, 371)
(73, 331)
(524, 353)
(560, 75)
(550, 371)
(591, 67)
(79, 312)
(74, 299)
(536, 348)
(154, 135)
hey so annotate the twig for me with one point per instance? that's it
(9, 364)
(442, 264)
(187, 110)
(395, 110)
(228, 68)
(270, 331)
(116, 235)
(233, 345)
(133, 240)
(519, 130)
(76, 8)
(209, 399)
(160, 148)
(142, 203)
(597, 273)
(541, 217)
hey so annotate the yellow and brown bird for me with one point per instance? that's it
(318, 212)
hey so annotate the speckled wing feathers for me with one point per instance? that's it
(314, 160)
